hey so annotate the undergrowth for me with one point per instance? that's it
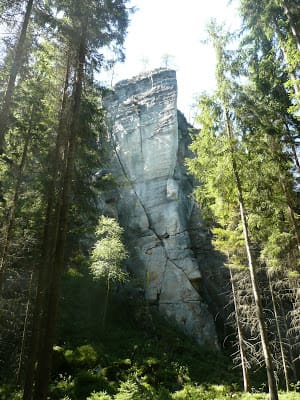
(135, 355)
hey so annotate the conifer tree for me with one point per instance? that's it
(229, 139)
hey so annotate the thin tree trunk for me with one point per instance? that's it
(277, 149)
(24, 333)
(273, 392)
(293, 147)
(294, 331)
(14, 70)
(283, 358)
(50, 231)
(292, 23)
(12, 213)
(106, 304)
(246, 377)
(291, 355)
(51, 308)
(291, 211)
(286, 58)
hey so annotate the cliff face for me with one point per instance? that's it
(150, 140)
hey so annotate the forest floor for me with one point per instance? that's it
(133, 355)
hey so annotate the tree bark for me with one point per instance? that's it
(13, 209)
(49, 238)
(51, 308)
(106, 303)
(292, 23)
(245, 370)
(293, 218)
(273, 392)
(291, 355)
(283, 358)
(24, 333)
(14, 70)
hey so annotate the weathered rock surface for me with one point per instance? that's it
(150, 140)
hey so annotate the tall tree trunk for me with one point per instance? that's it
(106, 303)
(286, 58)
(283, 357)
(291, 70)
(293, 218)
(13, 209)
(14, 70)
(289, 14)
(291, 355)
(273, 392)
(295, 324)
(24, 333)
(245, 370)
(291, 142)
(49, 239)
(277, 150)
(51, 307)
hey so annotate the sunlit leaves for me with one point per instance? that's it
(109, 252)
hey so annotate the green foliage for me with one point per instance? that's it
(109, 252)
(191, 392)
(8, 392)
(99, 396)
(62, 387)
(85, 382)
(154, 362)
(133, 389)
(218, 392)
(84, 356)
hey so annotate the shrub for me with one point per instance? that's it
(87, 382)
(63, 386)
(85, 356)
(116, 371)
(134, 390)
(191, 392)
(59, 362)
(7, 392)
(99, 396)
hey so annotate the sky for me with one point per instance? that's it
(175, 28)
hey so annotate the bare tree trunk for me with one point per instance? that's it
(291, 211)
(291, 355)
(293, 147)
(292, 23)
(286, 58)
(51, 307)
(273, 392)
(14, 70)
(277, 149)
(50, 232)
(283, 358)
(106, 304)
(245, 370)
(12, 213)
(24, 333)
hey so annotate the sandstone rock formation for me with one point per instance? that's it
(153, 204)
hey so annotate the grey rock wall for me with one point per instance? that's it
(149, 139)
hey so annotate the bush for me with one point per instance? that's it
(134, 390)
(63, 386)
(7, 392)
(83, 357)
(59, 362)
(116, 371)
(87, 382)
(191, 392)
(99, 396)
